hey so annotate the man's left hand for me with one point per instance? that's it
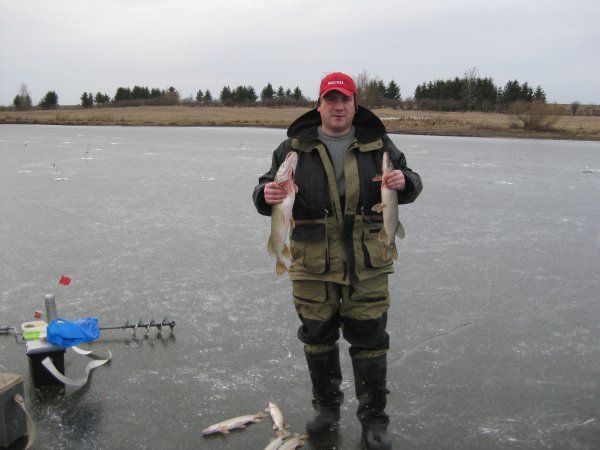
(395, 180)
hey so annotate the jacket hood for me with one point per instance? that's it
(368, 126)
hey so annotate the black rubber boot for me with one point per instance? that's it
(370, 380)
(326, 377)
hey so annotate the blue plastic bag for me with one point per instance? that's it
(64, 333)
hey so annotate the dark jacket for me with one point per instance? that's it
(336, 239)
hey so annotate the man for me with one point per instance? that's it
(339, 272)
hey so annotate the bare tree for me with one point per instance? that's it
(470, 78)
(535, 116)
(362, 84)
(370, 91)
(23, 98)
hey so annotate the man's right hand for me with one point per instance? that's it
(274, 193)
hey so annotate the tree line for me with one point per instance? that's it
(238, 96)
(142, 95)
(473, 93)
(246, 95)
(467, 93)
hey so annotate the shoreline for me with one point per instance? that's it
(430, 123)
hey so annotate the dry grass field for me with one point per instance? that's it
(564, 126)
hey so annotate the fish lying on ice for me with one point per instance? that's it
(389, 207)
(276, 443)
(278, 422)
(293, 442)
(231, 424)
(281, 214)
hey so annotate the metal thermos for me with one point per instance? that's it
(50, 308)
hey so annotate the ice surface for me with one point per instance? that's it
(494, 321)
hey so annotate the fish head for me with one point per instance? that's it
(287, 169)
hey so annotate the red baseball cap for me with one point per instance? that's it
(337, 81)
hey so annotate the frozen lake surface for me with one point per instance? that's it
(495, 318)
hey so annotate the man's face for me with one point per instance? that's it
(337, 111)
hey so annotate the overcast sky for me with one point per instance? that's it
(76, 46)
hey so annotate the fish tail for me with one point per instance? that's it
(390, 252)
(280, 267)
(286, 252)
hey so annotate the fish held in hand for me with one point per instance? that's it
(281, 214)
(231, 424)
(389, 207)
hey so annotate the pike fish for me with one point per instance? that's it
(281, 215)
(278, 422)
(294, 442)
(389, 207)
(275, 443)
(231, 424)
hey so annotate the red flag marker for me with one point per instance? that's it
(65, 280)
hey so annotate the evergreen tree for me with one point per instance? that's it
(122, 94)
(199, 96)
(297, 94)
(87, 100)
(485, 95)
(511, 92)
(49, 101)
(526, 92)
(381, 89)
(267, 93)
(239, 95)
(171, 96)
(208, 97)
(539, 96)
(101, 99)
(226, 95)
(243, 95)
(251, 96)
(280, 92)
(139, 92)
(392, 91)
